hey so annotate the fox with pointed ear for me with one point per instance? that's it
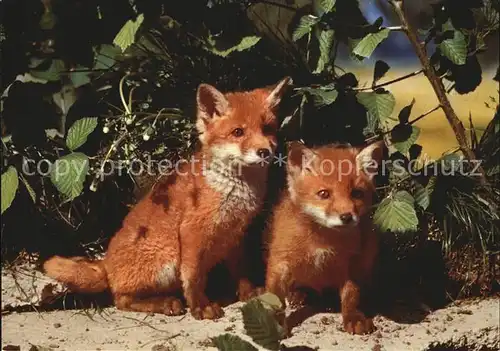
(192, 219)
(321, 235)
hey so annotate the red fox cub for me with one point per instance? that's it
(193, 218)
(321, 235)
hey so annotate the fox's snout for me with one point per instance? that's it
(332, 219)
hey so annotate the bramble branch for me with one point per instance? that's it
(425, 114)
(374, 87)
(437, 85)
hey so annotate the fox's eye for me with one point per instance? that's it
(324, 194)
(357, 193)
(238, 132)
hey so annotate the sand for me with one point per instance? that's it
(472, 324)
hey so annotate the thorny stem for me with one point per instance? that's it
(374, 87)
(437, 85)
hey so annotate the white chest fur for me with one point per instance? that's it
(238, 196)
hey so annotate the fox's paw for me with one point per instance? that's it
(173, 307)
(248, 292)
(211, 311)
(297, 298)
(357, 323)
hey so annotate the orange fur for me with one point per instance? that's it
(193, 218)
(309, 243)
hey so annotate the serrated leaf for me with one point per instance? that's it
(404, 146)
(369, 43)
(422, 196)
(325, 40)
(379, 104)
(304, 27)
(260, 325)
(396, 213)
(30, 190)
(270, 300)
(228, 342)
(323, 6)
(68, 174)
(322, 97)
(126, 35)
(381, 68)
(53, 73)
(10, 183)
(79, 131)
(245, 44)
(455, 49)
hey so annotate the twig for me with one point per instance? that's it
(396, 28)
(424, 114)
(437, 85)
(395, 80)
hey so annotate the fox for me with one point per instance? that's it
(320, 235)
(194, 217)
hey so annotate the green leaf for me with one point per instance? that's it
(245, 44)
(455, 49)
(404, 146)
(68, 174)
(325, 40)
(323, 6)
(304, 27)
(261, 326)
(80, 78)
(431, 185)
(53, 73)
(228, 342)
(126, 35)
(321, 97)
(79, 131)
(422, 197)
(10, 183)
(270, 300)
(105, 56)
(379, 103)
(381, 68)
(48, 20)
(31, 192)
(396, 213)
(368, 44)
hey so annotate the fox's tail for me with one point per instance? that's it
(79, 273)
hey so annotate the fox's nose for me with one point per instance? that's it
(263, 153)
(346, 218)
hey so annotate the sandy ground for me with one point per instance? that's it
(471, 324)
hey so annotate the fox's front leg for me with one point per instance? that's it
(237, 265)
(279, 280)
(355, 321)
(194, 281)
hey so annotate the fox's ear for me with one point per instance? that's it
(210, 102)
(369, 158)
(300, 158)
(277, 91)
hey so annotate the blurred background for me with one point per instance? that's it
(436, 136)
